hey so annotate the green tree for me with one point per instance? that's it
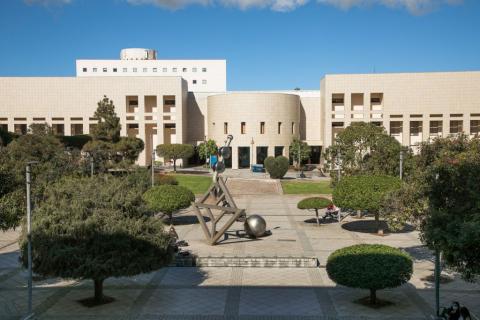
(174, 152)
(206, 149)
(452, 225)
(107, 148)
(53, 163)
(95, 229)
(315, 204)
(365, 192)
(276, 167)
(108, 127)
(299, 151)
(168, 198)
(365, 148)
(370, 266)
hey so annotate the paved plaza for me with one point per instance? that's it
(240, 292)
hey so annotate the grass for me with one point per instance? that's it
(293, 187)
(197, 184)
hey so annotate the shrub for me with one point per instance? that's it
(370, 266)
(364, 192)
(276, 167)
(75, 142)
(164, 179)
(168, 198)
(314, 203)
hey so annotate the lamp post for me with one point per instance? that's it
(339, 171)
(91, 165)
(437, 274)
(401, 164)
(251, 156)
(28, 170)
(153, 169)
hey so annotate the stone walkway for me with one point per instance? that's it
(240, 293)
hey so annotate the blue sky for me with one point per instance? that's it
(268, 44)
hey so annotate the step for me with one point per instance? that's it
(246, 262)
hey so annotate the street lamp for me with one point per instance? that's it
(28, 170)
(153, 170)
(401, 164)
(339, 169)
(251, 156)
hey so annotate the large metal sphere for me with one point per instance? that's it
(255, 226)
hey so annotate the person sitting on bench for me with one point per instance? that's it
(331, 212)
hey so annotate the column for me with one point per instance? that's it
(445, 126)
(141, 128)
(406, 132)
(466, 124)
(425, 129)
(234, 157)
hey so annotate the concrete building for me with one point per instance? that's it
(186, 101)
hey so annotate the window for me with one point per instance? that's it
(243, 128)
(456, 115)
(194, 81)
(105, 70)
(184, 70)
(204, 69)
(204, 81)
(114, 69)
(279, 130)
(262, 127)
(84, 69)
(396, 127)
(174, 69)
(76, 129)
(475, 127)
(134, 69)
(456, 126)
(94, 69)
(164, 69)
(154, 69)
(145, 69)
(293, 127)
(125, 70)
(194, 69)
(225, 128)
(435, 116)
(436, 128)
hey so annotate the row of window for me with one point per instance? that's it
(243, 127)
(416, 127)
(84, 69)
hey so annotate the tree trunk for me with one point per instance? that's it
(174, 164)
(373, 296)
(377, 222)
(98, 290)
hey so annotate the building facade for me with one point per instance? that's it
(186, 101)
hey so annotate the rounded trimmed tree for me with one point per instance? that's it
(96, 228)
(370, 266)
(168, 199)
(276, 167)
(365, 192)
(175, 151)
(314, 203)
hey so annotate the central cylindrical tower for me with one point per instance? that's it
(262, 124)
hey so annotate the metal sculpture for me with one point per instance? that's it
(218, 198)
(255, 226)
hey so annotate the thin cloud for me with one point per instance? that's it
(277, 5)
(416, 7)
(48, 2)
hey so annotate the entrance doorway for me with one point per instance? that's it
(243, 157)
(278, 151)
(262, 153)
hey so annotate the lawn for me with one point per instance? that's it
(294, 187)
(198, 184)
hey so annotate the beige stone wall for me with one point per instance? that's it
(406, 97)
(252, 109)
(67, 98)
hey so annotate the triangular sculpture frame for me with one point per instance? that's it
(217, 198)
